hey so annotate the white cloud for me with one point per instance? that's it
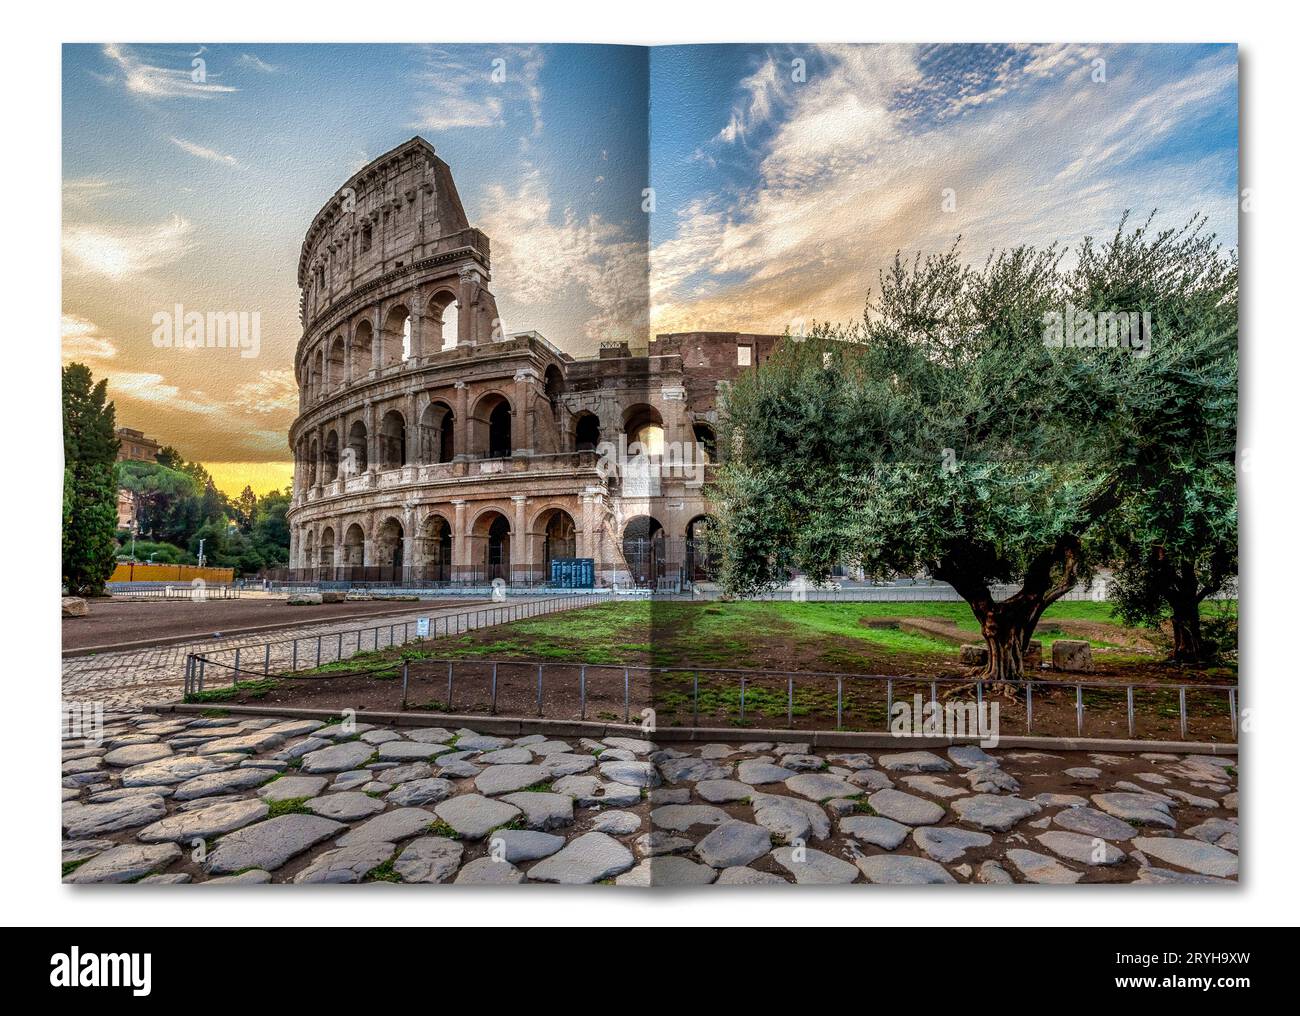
(478, 88)
(540, 259)
(82, 340)
(274, 391)
(97, 250)
(254, 61)
(142, 386)
(154, 82)
(210, 154)
(846, 178)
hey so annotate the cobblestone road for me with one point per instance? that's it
(180, 798)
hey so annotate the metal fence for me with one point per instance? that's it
(181, 592)
(581, 678)
(289, 655)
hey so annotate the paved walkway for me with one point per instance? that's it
(136, 678)
(187, 798)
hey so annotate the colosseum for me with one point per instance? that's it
(432, 448)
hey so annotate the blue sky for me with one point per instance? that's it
(784, 177)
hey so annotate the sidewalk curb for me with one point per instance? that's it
(520, 726)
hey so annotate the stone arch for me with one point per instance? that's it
(363, 349)
(334, 364)
(434, 549)
(390, 541)
(437, 433)
(490, 432)
(392, 440)
(586, 431)
(354, 546)
(555, 535)
(357, 458)
(491, 544)
(440, 329)
(395, 340)
(643, 549)
(701, 547)
(330, 456)
(706, 442)
(313, 457)
(327, 547)
(644, 426)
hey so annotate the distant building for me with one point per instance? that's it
(135, 447)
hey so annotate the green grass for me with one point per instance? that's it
(383, 873)
(288, 806)
(253, 689)
(70, 866)
(440, 828)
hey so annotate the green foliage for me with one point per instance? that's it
(90, 482)
(942, 434)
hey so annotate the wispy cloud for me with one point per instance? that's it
(82, 340)
(210, 154)
(478, 87)
(854, 165)
(257, 63)
(542, 258)
(154, 82)
(98, 250)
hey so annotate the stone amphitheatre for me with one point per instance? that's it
(427, 458)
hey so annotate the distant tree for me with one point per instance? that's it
(90, 482)
(165, 499)
(270, 532)
(244, 509)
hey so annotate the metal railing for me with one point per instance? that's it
(750, 679)
(317, 650)
(185, 591)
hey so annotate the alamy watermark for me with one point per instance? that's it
(1081, 329)
(920, 718)
(179, 328)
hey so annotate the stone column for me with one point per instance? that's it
(372, 439)
(417, 332)
(460, 564)
(408, 537)
(587, 525)
(295, 548)
(412, 428)
(521, 550)
(347, 357)
(460, 431)
(521, 430)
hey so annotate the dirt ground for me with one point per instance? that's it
(120, 623)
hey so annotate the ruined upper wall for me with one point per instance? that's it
(398, 209)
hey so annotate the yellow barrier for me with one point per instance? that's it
(128, 572)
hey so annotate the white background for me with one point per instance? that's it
(30, 668)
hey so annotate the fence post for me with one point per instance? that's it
(493, 709)
(1078, 706)
(582, 692)
(266, 661)
(695, 721)
(789, 701)
(627, 697)
(742, 699)
(406, 673)
(203, 666)
(1232, 709)
(295, 655)
(889, 700)
(1132, 726)
(1182, 710)
(449, 665)
(318, 643)
(839, 702)
(236, 664)
(1029, 708)
(539, 689)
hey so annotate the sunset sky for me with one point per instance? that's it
(784, 177)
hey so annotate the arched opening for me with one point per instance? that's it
(441, 321)
(645, 430)
(389, 543)
(331, 460)
(586, 434)
(396, 343)
(363, 342)
(554, 386)
(392, 440)
(334, 366)
(313, 456)
(356, 460)
(700, 565)
(354, 547)
(492, 546)
(643, 549)
(492, 427)
(437, 433)
(435, 550)
(327, 547)
(706, 443)
(559, 538)
(318, 374)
